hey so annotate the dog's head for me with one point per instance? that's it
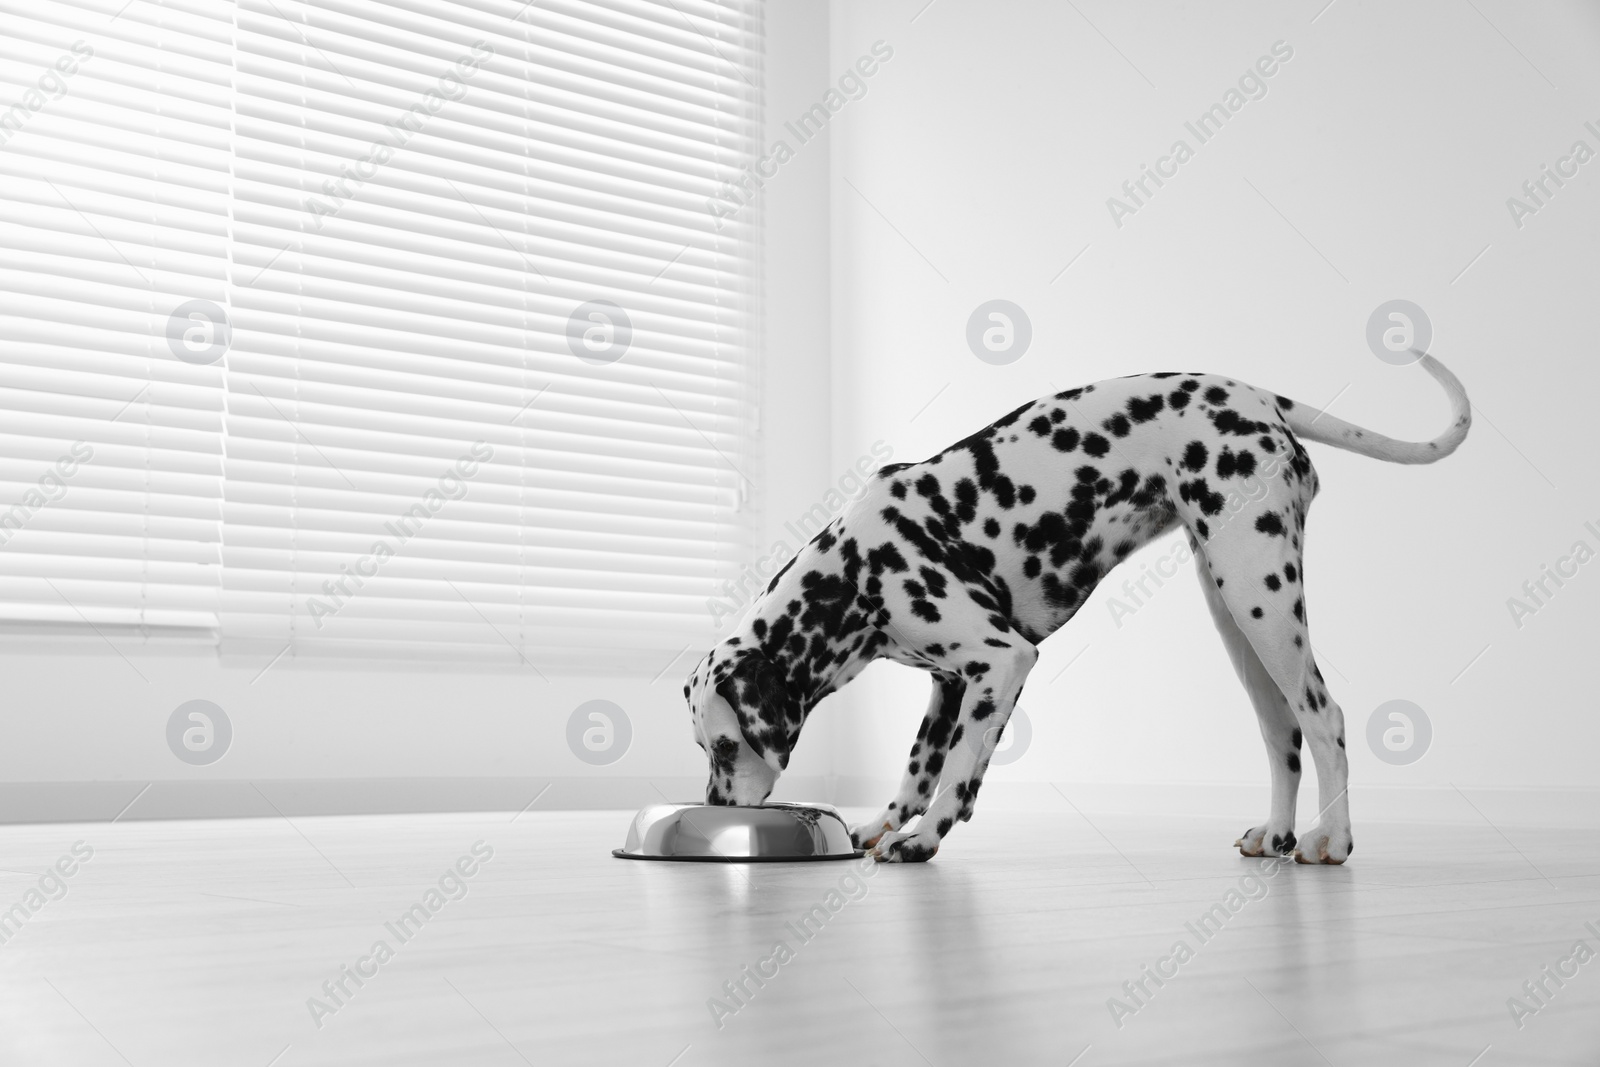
(746, 721)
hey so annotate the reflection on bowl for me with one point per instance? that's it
(768, 833)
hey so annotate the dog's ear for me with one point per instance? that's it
(769, 717)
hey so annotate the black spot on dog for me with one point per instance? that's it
(1296, 738)
(1040, 425)
(886, 557)
(1290, 573)
(1255, 613)
(1096, 445)
(966, 500)
(1057, 593)
(1217, 395)
(1178, 399)
(1294, 763)
(1117, 425)
(1299, 609)
(1231, 422)
(1284, 402)
(1196, 491)
(1146, 409)
(1065, 440)
(1284, 844)
(1190, 385)
(1194, 457)
(991, 527)
(1270, 524)
(1231, 464)
(944, 826)
(1272, 582)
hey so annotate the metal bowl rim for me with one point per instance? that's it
(680, 806)
(622, 855)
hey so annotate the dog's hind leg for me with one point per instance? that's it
(1278, 727)
(925, 763)
(1254, 560)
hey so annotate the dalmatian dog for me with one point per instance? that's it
(961, 564)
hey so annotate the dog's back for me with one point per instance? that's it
(1044, 502)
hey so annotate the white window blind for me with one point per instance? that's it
(113, 210)
(488, 385)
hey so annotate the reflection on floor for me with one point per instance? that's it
(482, 940)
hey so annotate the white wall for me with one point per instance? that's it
(979, 165)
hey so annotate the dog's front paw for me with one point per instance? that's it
(868, 833)
(1325, 846)
(1262, 839)
(905, 848)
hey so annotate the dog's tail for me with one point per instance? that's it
(1312, 425)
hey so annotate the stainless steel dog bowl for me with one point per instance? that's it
(769, 833)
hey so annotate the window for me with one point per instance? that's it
(400, 329)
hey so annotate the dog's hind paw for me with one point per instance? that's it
(1262, 839)
(1325, 846)
(905, 848)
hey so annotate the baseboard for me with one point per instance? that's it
(1571, 807)
(51, 802)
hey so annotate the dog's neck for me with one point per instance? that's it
(829, 614)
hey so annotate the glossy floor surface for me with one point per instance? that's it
(211, 943)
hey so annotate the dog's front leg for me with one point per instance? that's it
(924, 765)
(994, 675)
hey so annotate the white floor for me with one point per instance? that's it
(201, 943)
